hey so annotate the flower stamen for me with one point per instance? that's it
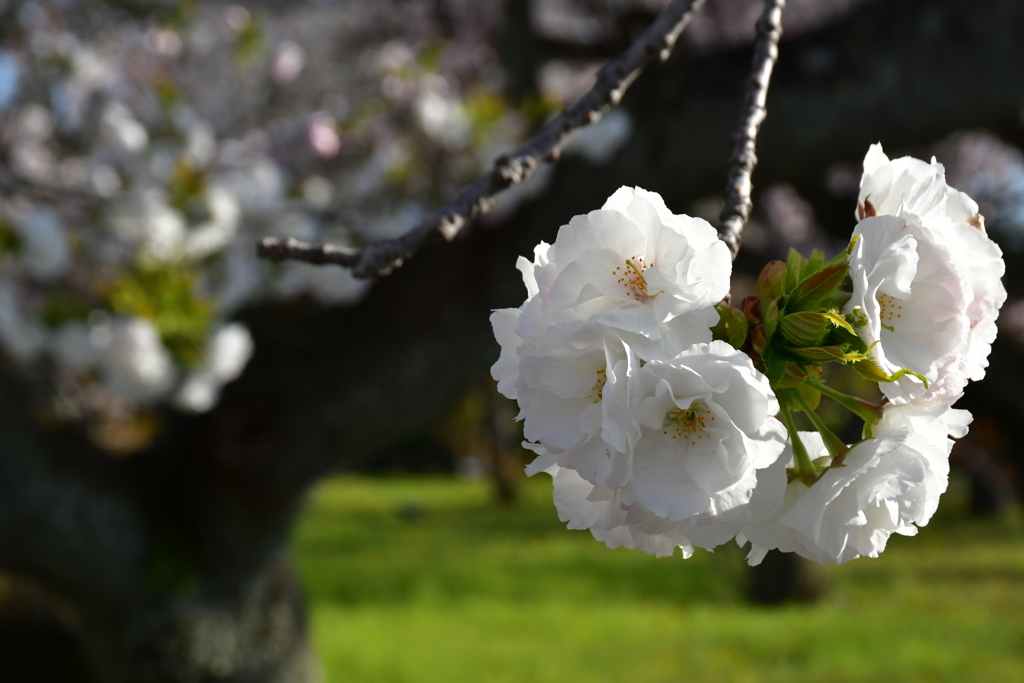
(891, 311)
(633, 278)
(597, 392)
(689, 423)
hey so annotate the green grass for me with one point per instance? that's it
(465, 590)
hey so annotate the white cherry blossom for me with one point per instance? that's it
(888, 484)
(959, 265)
(707, 426)
(601, 509)
(633, 265)
(574, 390)
(914, 297)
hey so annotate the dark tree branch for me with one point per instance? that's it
(475, 199)
(744, 154)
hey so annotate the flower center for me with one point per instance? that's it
(632, 278)
(892, 310)
(597, 392)
(689, 423)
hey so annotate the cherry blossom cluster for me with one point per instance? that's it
(141, 160)
(668, 420)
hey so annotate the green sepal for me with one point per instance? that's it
(839, 321)
(732, 326)
(868, 368)
(857, 317)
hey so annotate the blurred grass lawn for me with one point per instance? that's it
(417, 580)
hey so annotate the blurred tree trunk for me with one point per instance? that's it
(174, 560)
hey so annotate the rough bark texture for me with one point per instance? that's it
(173, 561)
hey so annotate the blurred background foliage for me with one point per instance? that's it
(145, 517)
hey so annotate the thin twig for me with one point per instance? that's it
(744, 155)
(476, 198)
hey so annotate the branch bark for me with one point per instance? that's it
(475, 199)
(744, 154)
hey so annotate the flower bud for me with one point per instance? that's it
(804, 328)
(771, 282)
(751, 308)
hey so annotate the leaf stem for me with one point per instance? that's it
(803, 460)
(865, 410)
(836, 448)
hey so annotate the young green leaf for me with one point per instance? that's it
(732, 326)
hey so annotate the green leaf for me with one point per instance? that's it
(816, 288)
(815, 263)
(732, 326)
(804, 328)
(795, 266)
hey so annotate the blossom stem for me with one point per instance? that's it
(836, 448)
(865, 410)
(803, 460)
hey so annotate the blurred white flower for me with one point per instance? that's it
(21, 338)
(331, 285)
(216, 233)
(135, 364)
(73, 347)
(259, 186)
(44, 251)
(10, 79)
(323, 135)
(227, 352)
(599, 142)
(145, 220)
(124, 133)
(443, 118)
(289, 61)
